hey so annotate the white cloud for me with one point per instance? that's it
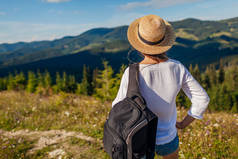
(10, 33)
(56, 1)
(154, 4)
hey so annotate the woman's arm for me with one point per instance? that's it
(121, 94)
(197, 96)
(186, 121)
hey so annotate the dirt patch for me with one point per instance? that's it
(47, 138)
(56, 153)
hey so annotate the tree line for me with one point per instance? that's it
(220, 83)
(102, 84)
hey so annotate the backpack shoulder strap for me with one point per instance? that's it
(133, 90)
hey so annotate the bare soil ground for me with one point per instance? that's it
(48, 138)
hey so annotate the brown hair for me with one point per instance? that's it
(158, 57)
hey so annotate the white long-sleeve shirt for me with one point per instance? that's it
(159, 85)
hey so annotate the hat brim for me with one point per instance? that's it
(166, 44)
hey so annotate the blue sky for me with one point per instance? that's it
(33, 20)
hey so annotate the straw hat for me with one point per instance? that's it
(151, 35)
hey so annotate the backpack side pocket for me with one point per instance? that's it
(119, 149)
(113, 143)
(107, 139)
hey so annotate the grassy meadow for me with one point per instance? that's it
(66, 126)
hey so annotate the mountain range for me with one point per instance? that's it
(198, 42)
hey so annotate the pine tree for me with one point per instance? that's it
(191, 69)
(213, 75)
(20, 81)
(106, 83)
(47, 82)
(197, 74)
(206, 81)
(10, 82)
(215, 97)
(225, 98)
(90, 81)
(72, 84)
(65, 82)
(32, 82)
(84, 85)
(118, 80)
(58, 83)
(1, 84)
(221, 73)
(234, 76)
(4, 83)
(94, 83)
(40, 83)
(180, 99)
(78, 89)
(234, 108)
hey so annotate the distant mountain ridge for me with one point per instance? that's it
(198, 41)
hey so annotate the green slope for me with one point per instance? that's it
(195, 39)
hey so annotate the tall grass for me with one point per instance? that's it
(214, 137)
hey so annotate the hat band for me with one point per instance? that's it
(150, 42)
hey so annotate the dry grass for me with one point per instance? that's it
(214, 137)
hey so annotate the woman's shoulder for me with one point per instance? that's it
(173, 61)
(170, 63)
(176, 63)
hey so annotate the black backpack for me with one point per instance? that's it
(130, 129)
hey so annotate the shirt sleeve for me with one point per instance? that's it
(121, 94)
(196, 94)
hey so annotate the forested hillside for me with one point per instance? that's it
(198, 42)
(221, 84)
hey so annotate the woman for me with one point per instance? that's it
(160, 80)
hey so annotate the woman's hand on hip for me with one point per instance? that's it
(186, 121)
(179, 125)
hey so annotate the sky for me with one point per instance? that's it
(35, 20)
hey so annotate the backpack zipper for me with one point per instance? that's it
(129, 137)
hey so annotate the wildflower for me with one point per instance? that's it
(33, 109)
(216, 125)
(67, 113)
(182, 155)
(207, 132)
(19, 140)
(207, 123)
